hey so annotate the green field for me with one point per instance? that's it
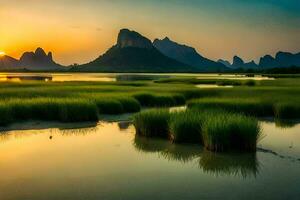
(84, 101)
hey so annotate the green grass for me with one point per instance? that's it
(5, 114)
(217, 130)
(263, 99)
(152, 100)
(152, 123)
(186, 127)
(251, 107)
(287, 110)
(63, 110)
(225, 131)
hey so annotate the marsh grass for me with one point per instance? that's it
(230, 131)
(153, 100)
(216, 129)
(287, 110)
(186, 127)
(251, 107)
(75, 110)
(5, 114)
(152, 123)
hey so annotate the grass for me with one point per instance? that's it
(287, 110)
(253, 107)
(186, 127)
(152, 123)
(217, 130)
(225, 131)
(278, 97)
(63, 110)
(152, 100)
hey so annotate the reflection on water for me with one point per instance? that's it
(112, 77)
(213, 86)
(108, 161)
(236, 164)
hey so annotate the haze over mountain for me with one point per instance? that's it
(134, 53)
(187, 55)
(37, 60)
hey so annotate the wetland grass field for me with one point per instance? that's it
(170, 127)
(217, 118)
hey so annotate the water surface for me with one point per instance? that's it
(108, 161)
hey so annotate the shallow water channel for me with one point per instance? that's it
(108, 161)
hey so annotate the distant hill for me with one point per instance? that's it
(187, 55)
(238, 63)
(35, 61)
(134, 53)
(7, 62)
(282, 59)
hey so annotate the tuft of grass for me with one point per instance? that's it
(287, 110)
(186, 127)
(251, 107)
(109, 106)
(230, 131)
(77, 111)
(151, 100)
(130, 104)
(5, 114)
(152, 123)
(65, 110)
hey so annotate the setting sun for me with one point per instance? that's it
(2, 53)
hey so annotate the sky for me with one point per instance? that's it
(78, 31)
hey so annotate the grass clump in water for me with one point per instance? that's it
(130, 104)
(229, 131)
(65, 110)
(186, 127)
(109, 106)
(287, 110)
(152, 123)
(5, 114)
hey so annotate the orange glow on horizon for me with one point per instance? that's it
(2, 53)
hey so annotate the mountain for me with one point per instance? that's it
(239, 63)
(282, 59)
(38, 60)
(224, 62)
(187, 55)
(7, 62)
(134, 53)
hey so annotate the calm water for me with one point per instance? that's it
(106, 77)
(108, 161)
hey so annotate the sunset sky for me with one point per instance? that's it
(77, 31)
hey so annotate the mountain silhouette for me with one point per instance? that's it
(7, 62)
(282, 59)
(134, 53)
(238, 63)
(36, 61)
(187, 55)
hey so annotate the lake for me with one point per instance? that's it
(108, 77)
(108, 161)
